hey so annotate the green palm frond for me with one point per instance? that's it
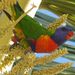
(60, 7)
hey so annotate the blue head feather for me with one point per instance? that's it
(60, 35)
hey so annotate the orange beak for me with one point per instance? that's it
(69, 35)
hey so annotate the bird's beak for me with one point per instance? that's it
(69, 35)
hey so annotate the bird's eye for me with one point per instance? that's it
(64, 29)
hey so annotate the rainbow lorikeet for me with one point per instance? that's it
(45, 43)
(39, 38)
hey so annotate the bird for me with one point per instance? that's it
(47, 44)
(39, 38)
(62, 34)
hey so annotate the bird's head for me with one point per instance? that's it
(62, 34)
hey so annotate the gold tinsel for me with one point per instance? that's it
(1, 6)
(53, 70)
(51, 57)
(8, 2)
(13, 54)
(53, 26)
(24, 66)
(28, 61)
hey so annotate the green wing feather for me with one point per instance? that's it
(30, 27)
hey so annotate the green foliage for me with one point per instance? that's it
(30, 27)
(60, 7)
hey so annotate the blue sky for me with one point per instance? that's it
(60, 59)
(48, 13)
